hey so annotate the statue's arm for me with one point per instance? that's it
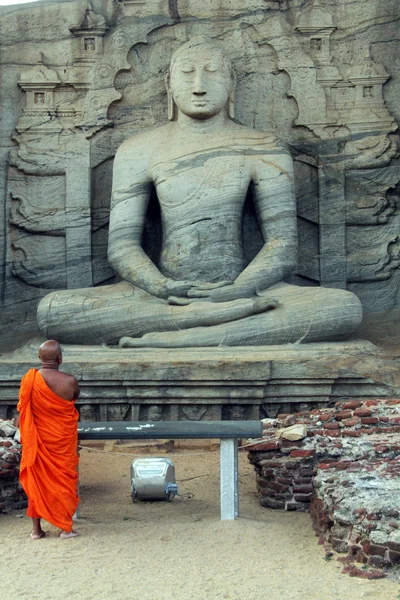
(275, 202)
(132, 184)
(273, 188)
(130, 197)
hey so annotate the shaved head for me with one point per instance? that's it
(50, 351)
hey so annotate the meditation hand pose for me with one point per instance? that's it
(48, 423)
(201, 292)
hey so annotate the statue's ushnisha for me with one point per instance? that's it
(202, 292)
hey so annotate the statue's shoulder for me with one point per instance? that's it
(143, 142)
(263, 139)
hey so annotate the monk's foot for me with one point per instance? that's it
(38, 535)
(65, 535)
(263, 304)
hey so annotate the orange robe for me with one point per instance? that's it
(49, 463)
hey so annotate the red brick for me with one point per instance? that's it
(351, 422)
(266, 446)
(272, 503)
(352, 405)
(333, 425)
(369, 420)
(332, 433)
(6, 444)
(326, 417)
(394, 557)
(341, 465)
(384, 419)
(303, 498)
(377, 550)
(303, 489)
(350, 433)
(301, 453)
(395, 546)
(369, 403)
(353, 571)
(382, 449)
(278, 487)
(362, 412)
(290, 444)
(394, 419)
(346, 414)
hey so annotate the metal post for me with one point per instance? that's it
(229, 479)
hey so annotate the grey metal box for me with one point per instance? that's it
(153, 479)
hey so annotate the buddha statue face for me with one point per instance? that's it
(200, 82)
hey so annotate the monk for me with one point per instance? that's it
(48, 424)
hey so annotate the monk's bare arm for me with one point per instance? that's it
(275, 201)
(77, 389)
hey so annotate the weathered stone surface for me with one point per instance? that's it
(12, 495)
(201, 291)
(103, 64)
(351, 482)
(204, 383)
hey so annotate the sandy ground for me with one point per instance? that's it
(174, 551)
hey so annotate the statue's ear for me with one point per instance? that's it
(231, 99)
(170, 99)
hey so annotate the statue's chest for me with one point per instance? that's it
(201, 182)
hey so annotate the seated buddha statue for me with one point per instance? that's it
(201, 291)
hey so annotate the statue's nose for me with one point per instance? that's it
(198, 85)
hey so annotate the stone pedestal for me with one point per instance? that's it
(206, 383)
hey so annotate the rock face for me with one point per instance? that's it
(12, 495)
(313, 74)
(345, 470)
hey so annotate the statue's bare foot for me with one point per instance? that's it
(66, 535)
(263, 304)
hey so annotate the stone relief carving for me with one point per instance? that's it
(88, 412)
(192, 413)
(118, 412)
(155, 413)
(234, 412)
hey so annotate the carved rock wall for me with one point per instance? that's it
(322, 75)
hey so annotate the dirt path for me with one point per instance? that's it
(174, 551)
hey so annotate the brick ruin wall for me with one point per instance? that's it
(344, 469)
(12, 495)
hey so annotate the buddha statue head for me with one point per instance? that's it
(200, 80)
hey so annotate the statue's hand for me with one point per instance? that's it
(182, 294)
(174, 287)
(222, 293)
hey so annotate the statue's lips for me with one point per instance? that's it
(200, 102)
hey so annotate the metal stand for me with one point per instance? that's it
(229, 479)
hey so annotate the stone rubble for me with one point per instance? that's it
(12, 495)
(346, 471)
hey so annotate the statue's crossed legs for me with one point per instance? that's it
(123, 314)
